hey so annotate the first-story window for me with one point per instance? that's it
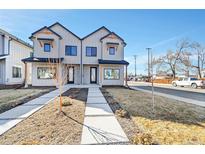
(46, 73)
(16, 72)
(47, 47)
(111, 74)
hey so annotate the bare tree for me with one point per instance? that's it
(200, 53)
(173, 59)
(59, 76)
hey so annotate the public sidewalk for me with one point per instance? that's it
(12, 117)
(100, 125)
(133, 83)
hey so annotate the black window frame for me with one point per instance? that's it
(92, 55)
(45, 48)
(70, 46)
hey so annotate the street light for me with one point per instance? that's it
(150, 65)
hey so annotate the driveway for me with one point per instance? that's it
(179, 93)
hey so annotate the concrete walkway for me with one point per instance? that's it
(100, 125)
(12, 117)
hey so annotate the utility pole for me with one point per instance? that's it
(148, 50)
(135, 57)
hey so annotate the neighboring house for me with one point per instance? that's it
(12, 51)
(97, 58)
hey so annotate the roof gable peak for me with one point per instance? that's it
(103, 27)
(57, 23)
(45, 27)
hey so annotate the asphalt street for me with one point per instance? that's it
(180, 93)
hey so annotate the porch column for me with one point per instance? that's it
(126, 76)
(100, 75)
(26, 76)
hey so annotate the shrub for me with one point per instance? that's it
(66, 101)
(144, 138)
(122, 113)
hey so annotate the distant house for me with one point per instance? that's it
(97, 58)
(203, 73)
(12, 51)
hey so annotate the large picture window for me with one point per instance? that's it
(46, 73)
(16, 72)
(71, 50)
(91, 51)
(111, 74)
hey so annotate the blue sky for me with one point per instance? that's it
(159, 29)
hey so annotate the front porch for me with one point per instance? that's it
(81, 86)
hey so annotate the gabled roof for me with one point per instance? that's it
(119, 62)
(45, 27)
(113, 33)
(3, 32)
(57, 23)
(103, 27)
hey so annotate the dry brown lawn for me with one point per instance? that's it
(174, 122)
(47, 126)
(10, 98)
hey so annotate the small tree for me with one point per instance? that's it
(59, 72)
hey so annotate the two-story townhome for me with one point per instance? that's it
(12, 51)
(96, 58)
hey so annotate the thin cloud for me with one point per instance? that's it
(175, 37)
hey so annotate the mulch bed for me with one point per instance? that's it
(48, 126)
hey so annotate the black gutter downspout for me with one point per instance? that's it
(3, 44)
(9, 43)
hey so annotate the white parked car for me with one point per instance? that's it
(193, 82)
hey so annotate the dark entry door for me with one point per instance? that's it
(70, 75)
(93, 74)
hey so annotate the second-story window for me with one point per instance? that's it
(70, 50)
(111, 50)
(47, 47)
(91, 51)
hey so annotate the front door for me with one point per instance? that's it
(70, 75)
(93, 74)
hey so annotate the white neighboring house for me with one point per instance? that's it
(12, 51)
(98, 58)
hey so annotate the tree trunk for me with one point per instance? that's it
(199, 68)
(173, 73)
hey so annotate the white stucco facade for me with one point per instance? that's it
(86, 69)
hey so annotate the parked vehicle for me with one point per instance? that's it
(193, 82)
